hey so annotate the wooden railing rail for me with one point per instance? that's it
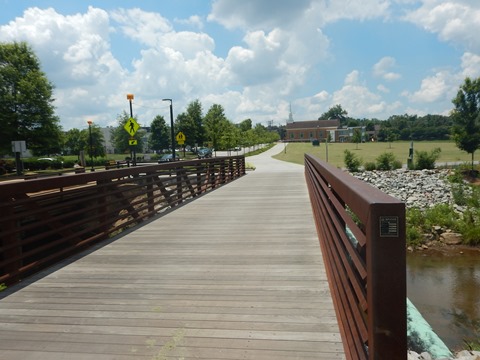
(362, 237)
(45, 220)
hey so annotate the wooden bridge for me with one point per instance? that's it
(236, 274)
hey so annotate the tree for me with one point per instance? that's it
(245, 125)
(159, 134)
(230, 136)
(190, 123)
(466, 117)
(335, 112)
(120, 137)
(26, 102)
(357, 137)
(215, 123)
(73, 142)
(97, 149)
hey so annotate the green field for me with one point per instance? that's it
(368, 152)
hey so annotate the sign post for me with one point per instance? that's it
(131, 127)
(181, 140)
(18, 147)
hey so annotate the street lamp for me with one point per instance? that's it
(90, 122)
(172, 132)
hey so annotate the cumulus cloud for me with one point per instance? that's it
(193, 21)
(141, 25)
(453, 21)
(471, 65)
(381, 69)
(434, 88)
(253, 14)
(358, 100)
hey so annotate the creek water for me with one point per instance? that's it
(444, 285)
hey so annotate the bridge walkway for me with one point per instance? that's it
(235, 274)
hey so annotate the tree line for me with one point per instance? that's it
(212, 130)
(27, 113)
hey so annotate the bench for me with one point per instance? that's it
(114, 164)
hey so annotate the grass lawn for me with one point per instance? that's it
(368, 152)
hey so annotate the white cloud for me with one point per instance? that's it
(453, 21)
(357, 99)
(251, 14)
(141, 25)
(434, 88)
(383, 89)
(248, 14)
(194, 21)
(471, 65)
(381, 69)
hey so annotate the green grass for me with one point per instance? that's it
(368, 152)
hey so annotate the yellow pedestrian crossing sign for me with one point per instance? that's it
(132, 142)
(131, 126)
(180, 138)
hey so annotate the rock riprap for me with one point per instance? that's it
(416, 188)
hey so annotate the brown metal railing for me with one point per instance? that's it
(362, 236)
(45, 220)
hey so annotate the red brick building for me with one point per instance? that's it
(312, 130)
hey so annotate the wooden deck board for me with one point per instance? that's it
(235, 274)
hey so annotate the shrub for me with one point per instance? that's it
(352, 161)
(425, 160)
(387, 161)
(370, 166)
(469, 227)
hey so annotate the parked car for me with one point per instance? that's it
(204, 153)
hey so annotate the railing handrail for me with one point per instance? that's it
(362, 236)
(45, 220)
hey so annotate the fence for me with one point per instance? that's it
(45, 220)
(362, 236)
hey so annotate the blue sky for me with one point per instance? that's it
(376, 58)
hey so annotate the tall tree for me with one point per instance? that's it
(97, 147)
(26, 102)
(245, 125)
(335, 112)
(466, 117)
(190, 123)
(159, 134)
(215, 123)
(74, 142)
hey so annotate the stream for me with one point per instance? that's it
(444, 285)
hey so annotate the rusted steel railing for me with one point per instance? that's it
(45, 220)
(362, 236)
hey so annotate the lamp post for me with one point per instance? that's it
(172, 132)
(90, 122)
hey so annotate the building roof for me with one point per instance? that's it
(310, 124)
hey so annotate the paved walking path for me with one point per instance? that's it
(235, 274)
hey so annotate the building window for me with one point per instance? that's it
(311, 135)
(292, 136)
(301, 135)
